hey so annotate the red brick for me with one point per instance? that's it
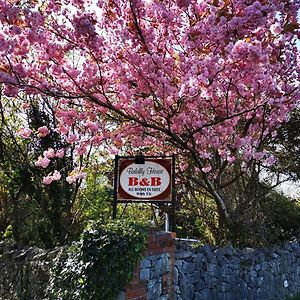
(144, 297)
(134, 293)
(136, 285)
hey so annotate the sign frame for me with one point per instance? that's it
(171, 200)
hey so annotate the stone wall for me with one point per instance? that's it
(24, 273)
(209, 273)
(204, 273)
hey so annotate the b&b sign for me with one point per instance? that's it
(147, 181)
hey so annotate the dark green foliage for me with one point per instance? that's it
(197, 218)
(283, 215)
(272, 219)
(100, 264)
(286, 147)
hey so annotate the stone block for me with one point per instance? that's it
(156, 270)
(146, 263)
(259, 281)
(178, 297)
(145, 274)
(154, 289)
(176, 276)
(261, 294)
(183, 254)
(199, 259)
(165, 263)
(207, 280)
(226, 287)
(200, 285)
(187, 292)
(188, 268)
(205, 294)
(253, 274)
(207, 251)
(194, 277)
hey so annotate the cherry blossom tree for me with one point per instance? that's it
(208, 80)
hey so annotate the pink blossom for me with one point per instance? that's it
(50, 178)
(62, 129)
(42, 162)
(92, 126)
(206, 169)
(50, 153)
(56, 175)
(75, 175)
(183, 3)
(248, 154)
(97, 139)
(270, 161)
(60, 153)
(84, 25)
(81, 150)
(72, 138)
(25, 105)
(47, 180)
(81, 175)
(208, 78)
(205, 155)
(222, 152)
(113, 151)
(231, 159)
(24, 132)
(276, 28)
(71, 179)
(259, 155)
(183, 166)
(43, 131)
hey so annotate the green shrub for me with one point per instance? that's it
(100, 264)
(273, 219)
(284, 215)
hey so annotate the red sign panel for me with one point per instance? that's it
(150, 180)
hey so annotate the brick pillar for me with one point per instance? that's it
(140, 287)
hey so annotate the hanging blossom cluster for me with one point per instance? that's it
(211, 79)
(55, 176)
(27, 132)
(43, 161)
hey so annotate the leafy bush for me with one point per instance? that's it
(100, 264)
(272, 219)
(283, 215)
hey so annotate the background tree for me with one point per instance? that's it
(286, 147)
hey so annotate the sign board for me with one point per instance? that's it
(147, 181)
